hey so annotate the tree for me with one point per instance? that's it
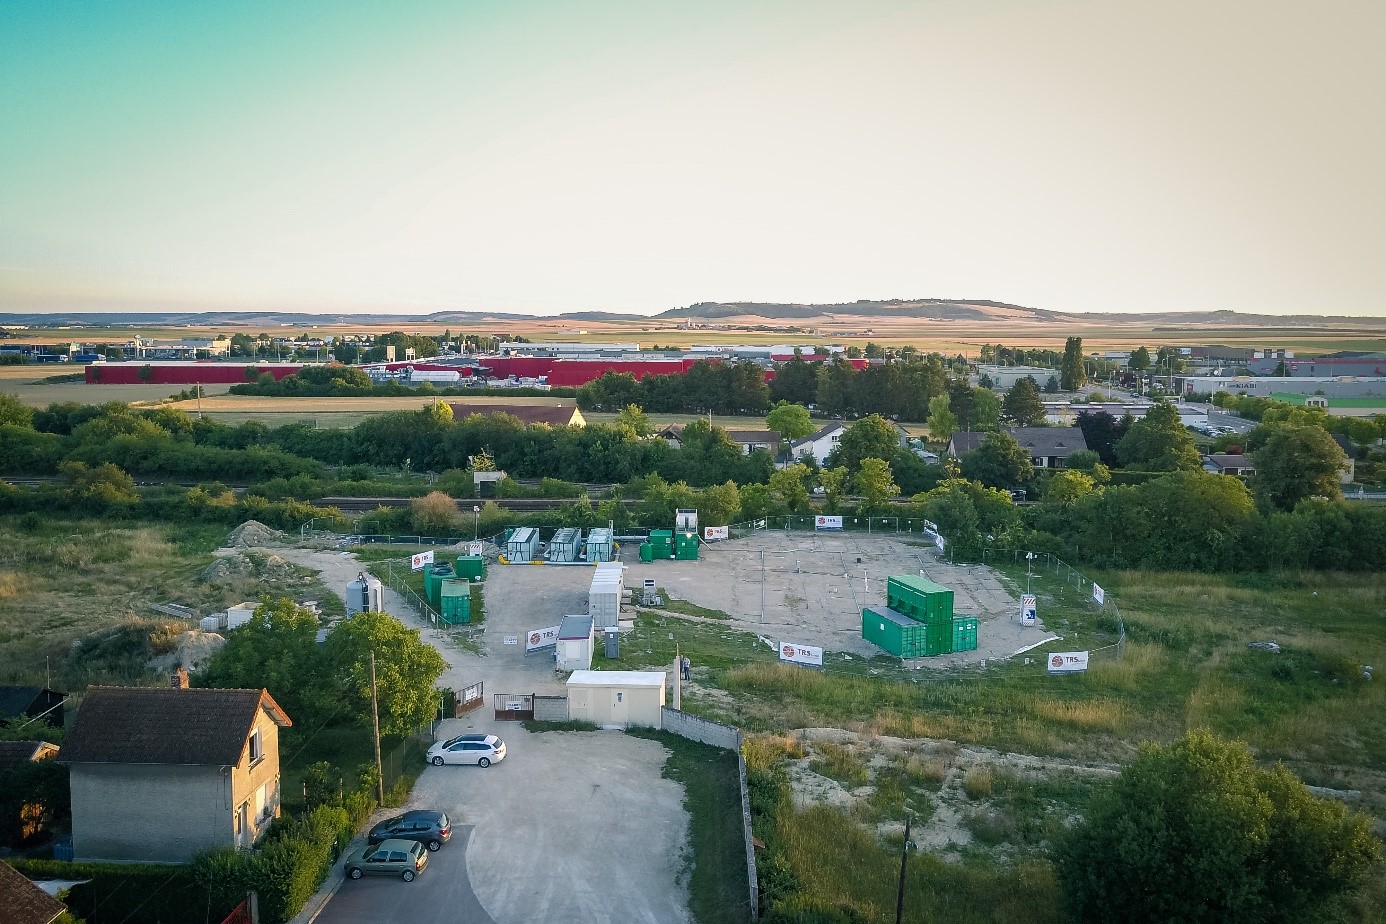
(405, 671)
(795, 381)
(1065, 487)
(1000, 462)
(834, 482)
(635, 420)
(13, 411)
(1023, 405)
(1297, 462)
(963, 403)
(345, 352)
(790, 421)
(1051, 385)
(1102, 431)
(276, 651)
(434, 514)
(942, 422)
(1072, 374)
(871, 437)
(789, 484)
(986, 409)
(1159, 442)
(1140, 359)
(1197, 832)
(875, 485)
(104, 487)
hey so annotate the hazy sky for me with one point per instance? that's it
(326, 155)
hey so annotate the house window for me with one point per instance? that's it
(256, 751)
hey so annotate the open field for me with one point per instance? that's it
(27, 382)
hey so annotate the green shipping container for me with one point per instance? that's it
(471, 567)
(434, 575)
(894, 632)
(920, 599)
(456, 602)
(965, 633)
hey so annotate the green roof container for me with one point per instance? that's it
(920, 599)
(471, 567)
(965, 633)
(455, 597)
(894, 632)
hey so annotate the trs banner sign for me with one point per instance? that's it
(541, 638)
(421, 561)
(714, 533)
(801, 654)
(1027, 609)
(1067, 662)
(1099, 596)
(821, 522)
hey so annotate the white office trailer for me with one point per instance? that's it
(574, 649)
(600, 545)
(365, 595)
(617, 698)
(523, 545)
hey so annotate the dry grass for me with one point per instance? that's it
(1088, 715)
(10, 583)
(977, 783)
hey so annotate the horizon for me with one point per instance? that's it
(544, 159)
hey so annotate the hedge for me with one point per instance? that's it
(286, 871)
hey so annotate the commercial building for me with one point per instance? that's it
(619, 698)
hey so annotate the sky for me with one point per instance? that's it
(338, 155)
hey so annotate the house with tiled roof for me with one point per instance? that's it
(163, 774)
(22, 902)
(528, 413)
(1049, 447)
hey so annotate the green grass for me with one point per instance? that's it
(684, 608)
(717, 887)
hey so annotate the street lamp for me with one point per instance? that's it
(1029, 562)
(476, 521)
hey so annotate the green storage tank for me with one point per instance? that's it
(894, 632)
(471, 567)
(965, 633)
(434, 575)
(646, 552)
(455, 598)
(919, 598)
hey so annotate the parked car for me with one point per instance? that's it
(432, 829)
(482, 750)
(394, 857)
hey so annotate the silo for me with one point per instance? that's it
(365, 594)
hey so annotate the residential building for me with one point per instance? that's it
(163, 774)
(26, 752)
(751, 440)
(819, 443)
(1049, 447)
(1349, 470)
(23, 902)
(673, 435)
(1221, 463)
(529, 413)
(40, 703)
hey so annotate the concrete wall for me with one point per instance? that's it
(699, 729)
(550, 708)
(149, 812)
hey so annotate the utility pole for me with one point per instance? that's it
(900, 889)
(375, 721)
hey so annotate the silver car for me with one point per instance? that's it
(394, 857)
(482, 750)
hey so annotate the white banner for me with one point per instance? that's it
(474, 549)
(801, 654)
(822, 522)
(1027, 609)
(512, 640)
(421, 561)
(713, 533)
(1099, 596)
(1067, 662)
(541, 638)
(939, 542)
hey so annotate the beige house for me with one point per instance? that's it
(163, 774)
(617, 697)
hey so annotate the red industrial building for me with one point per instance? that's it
(184, 373)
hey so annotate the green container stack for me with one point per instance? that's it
(686, 547)
(919, 598)
(964, 633)
(662, 541)
(455, 597)
(471, 567)
(434, 575)
(917, 620)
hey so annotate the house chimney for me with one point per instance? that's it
(179, 681)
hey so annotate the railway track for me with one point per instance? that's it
(525, 504)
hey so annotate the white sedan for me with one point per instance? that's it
(482, 750)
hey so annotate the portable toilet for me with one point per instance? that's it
(523, 544)
(600, 545)
(365, 595)
(574, 649)
(470, 567)
(434, 576)
(565, 545)
(455, 602)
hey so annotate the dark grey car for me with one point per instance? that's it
(432, 829)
